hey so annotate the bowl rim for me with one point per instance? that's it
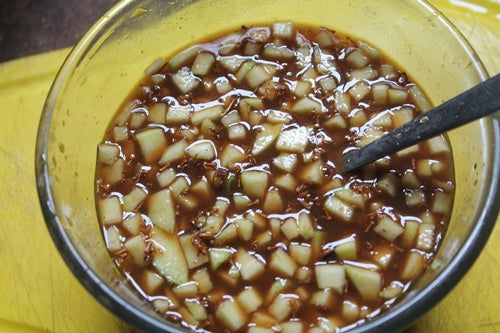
(398, 318)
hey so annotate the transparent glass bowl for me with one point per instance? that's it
(112, 56)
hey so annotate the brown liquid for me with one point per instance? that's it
(326, 144)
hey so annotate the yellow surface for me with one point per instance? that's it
(38, 293)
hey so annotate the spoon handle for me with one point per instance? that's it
(477, 102)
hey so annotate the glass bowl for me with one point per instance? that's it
(109, 60)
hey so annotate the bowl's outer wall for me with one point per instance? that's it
(104, 67)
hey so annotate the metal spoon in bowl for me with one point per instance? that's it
(477, 102)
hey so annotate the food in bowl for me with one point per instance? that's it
(220, 195)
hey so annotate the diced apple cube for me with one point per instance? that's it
(202, 189)
(231, 154)
(203, 63)
(393, 290)
(286, 182)
(409, 234)
(249, 299)
(425, 240)
(263, 319)
(251, 267)
(179, 114)
(347, 250)
(402, 116)
(107, 153)
(237, 132)
(290, 228)
(388, 228)
(322, 298)
(201, 150)
(152, 281)
(293, 140)
(185, 290)
(185, 80)
(368, 283)
(383, 255)
(113, 241)
(161, 210)
(283, 30)
(307, 106)
(218, 256)
(274, 52)
(438, 145)
(339, 209)
(110, 211)
(157, 113)
(350, 311)
(231, 315)
(283, 305)
(133, 199)
(132, 224)
(266, 135)
(196, 308)
(442, 202)
(301, 253)
(194, 257)
(241, 202)
(359, 91)
(285, 162)
(152, 143)
(357, 59)
(213, 113)
(202, 278)
(165, 177)
(282, 263)
(397, 96)
(330, 276)
(278, 286)
(245, 228)
(413, 266)
(312, 172)
(254, 183)
(213, 224)
(174, 152)
(256, 75)
(306, 227)
(389, 184)
(168, 257)
(273, 202)
(120, 133)
(136, 248)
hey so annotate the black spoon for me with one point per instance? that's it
(477, 102)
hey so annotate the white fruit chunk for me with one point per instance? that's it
(282, 263)
(152, 143)
(306, 106)
(168, 257)
(194, 257)
(132, 200)
(107, 153)
(283, 305)
(136, 247)
(203, 63)
(388, 229)
(338, 208)
(174, 152)
(161, 210)
(185, 80)
(293, 140)
(179, 114)
(201, 150)
(213, 112)
(250, 299)
(265, 138)
(250, 266)
(110, 210)
(368, 283)
(231, 315)
(330, 276)
(218, 256)
(254, 183)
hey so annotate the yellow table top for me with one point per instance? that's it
(38, 293)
